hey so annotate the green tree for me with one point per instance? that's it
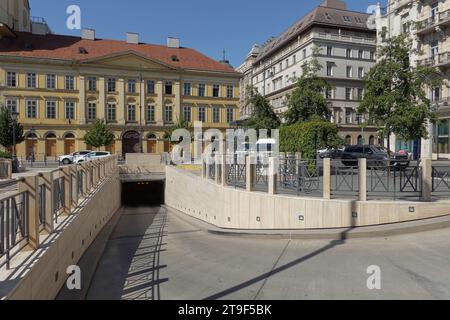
(307, 99)
(7, 125)
(308, 137)
(263, 116)
(99, 135)
(395, 99)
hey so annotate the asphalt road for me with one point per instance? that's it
(152, 254)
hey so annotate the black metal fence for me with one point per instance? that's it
(13, 226)
(441, 180)
(386, 182)
(303, 177)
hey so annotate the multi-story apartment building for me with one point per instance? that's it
(60, 85)
(14, 16)
(428, 23)
(348, 49)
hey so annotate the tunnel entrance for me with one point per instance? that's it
(143, 194)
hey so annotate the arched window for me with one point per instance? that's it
(50, 135)
(31, 136)
(360, 140)
(348, 140)
(69, 136)
(152, 136)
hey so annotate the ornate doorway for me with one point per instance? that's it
(130, 142)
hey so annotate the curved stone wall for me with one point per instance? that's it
(230, 208)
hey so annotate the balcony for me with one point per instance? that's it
(399, 4)
(429, 25)
(444, 106)
(441, 60)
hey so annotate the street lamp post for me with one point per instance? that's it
(15, 164)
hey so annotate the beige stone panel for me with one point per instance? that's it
(388, 213)
(313, 213)
(244, 211)
(23, 291)
(281, 213)
(332, 214)
(268, 212)
(297, 208)
(369, 214)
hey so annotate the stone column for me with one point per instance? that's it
(31, 186)
(427, 180)
(362, 176)
(250, 169)
(327, 178)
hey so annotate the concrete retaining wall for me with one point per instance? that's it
(230, 208)
(46, 274)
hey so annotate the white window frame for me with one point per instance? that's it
(11, 82)
(70, 104)
(109, 107)
(69, 82)
(47, 102)
(32, 76)
(27, 108)
(51, 81)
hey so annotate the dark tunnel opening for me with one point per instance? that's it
(143, 194)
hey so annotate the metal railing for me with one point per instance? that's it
(18, 219)
(386, 182)
(13, 226)
(441, 180)
(439, 18)
(300, 176)
(236, 174)
(59, 191)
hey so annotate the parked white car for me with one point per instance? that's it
(68, 159)
(92, 156)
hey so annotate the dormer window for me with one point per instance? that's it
(347, 19)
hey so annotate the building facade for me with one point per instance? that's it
(59, 85)
(428, 23)
(348, 49)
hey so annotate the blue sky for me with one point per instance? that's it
(206, 25)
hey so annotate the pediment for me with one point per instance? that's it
(129, 60)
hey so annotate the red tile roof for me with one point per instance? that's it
(68, 48)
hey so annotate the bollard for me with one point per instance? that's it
(224, 170)
(273, 175)
(250, 170)
(427, 180)
(362, 176)
(327, 178)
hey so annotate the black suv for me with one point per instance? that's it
(376, 156)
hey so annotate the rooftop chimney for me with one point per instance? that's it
(173, 42)
(88, 34)
(132, 38)
(334, 4)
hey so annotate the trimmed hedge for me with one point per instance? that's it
(304, 137)
(5, 155)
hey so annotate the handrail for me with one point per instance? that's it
(45, 199)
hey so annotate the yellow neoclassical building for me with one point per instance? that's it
(60, 85)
